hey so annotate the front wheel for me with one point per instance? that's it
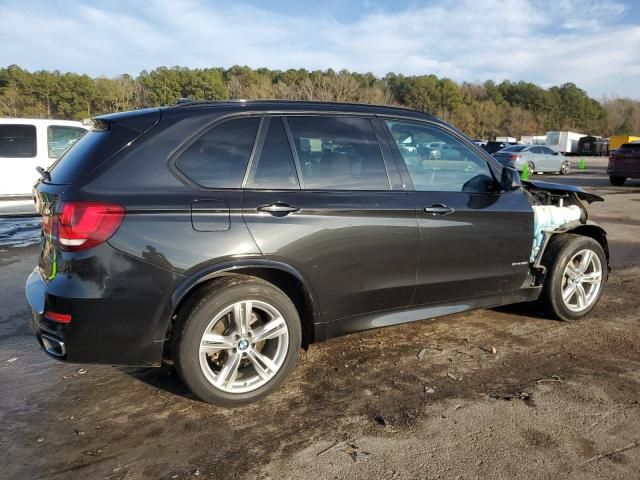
(237, 342)
(576, 274)
(565, 168)
(617, 181)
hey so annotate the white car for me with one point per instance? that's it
(539, 158)
(29, 143)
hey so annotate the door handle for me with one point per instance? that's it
(278, 209)
(439, 209)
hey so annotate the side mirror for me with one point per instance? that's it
(510, 180)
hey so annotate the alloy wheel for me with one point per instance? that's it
(581, 280)
(244, 346)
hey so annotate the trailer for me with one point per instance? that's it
(616, 141)
(533, 139)
(593, 146)
(564, 142)
(506, 139)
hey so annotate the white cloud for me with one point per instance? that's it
(544, 41)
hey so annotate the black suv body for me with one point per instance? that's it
(325, 218)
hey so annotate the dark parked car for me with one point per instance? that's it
(493, 147)
(624, 163)
(223, 236)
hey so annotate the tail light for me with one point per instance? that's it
(58, 317)
(83, 225)
(515, 158)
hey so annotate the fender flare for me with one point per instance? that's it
(203, 275)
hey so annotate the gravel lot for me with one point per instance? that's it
(419, 401)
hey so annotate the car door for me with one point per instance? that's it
(321, 197)
(474, 240)
(554, 159)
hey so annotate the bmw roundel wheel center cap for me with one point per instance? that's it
(243, 344)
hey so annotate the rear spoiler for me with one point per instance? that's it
(140, 121)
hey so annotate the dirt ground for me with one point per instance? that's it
(420, 401)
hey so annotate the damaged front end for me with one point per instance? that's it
(559, 209)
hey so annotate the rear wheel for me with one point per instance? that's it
(565, 168)
(617, 181)
(238, 341)
(531, 167)
(576, 275)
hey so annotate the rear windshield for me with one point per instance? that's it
(66, 169)
(515, 148)
(631, 146)
(91, 150)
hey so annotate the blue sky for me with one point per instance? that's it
(593, 43)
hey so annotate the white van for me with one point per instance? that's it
(29, 143)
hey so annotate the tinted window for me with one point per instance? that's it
(218, 159)
(547, 151)
(449, 166)
(537, 150)
(338, 153)
(18, 141)
(275, 168)
(59, 138)
(514, 148)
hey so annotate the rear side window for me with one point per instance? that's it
(338, 153)
(60, 138)
(219, 158)
(18, 141)
(275, 168)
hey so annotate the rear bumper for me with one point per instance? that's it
(110, 324)
(623, 173)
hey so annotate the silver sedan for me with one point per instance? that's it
(538, 158)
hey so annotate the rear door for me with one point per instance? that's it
(323, 196)
(474, 241)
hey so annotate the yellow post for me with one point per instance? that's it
(581, 166)
(525, 171)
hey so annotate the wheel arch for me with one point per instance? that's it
(284, 276)
(588, 229)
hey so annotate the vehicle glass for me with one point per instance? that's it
(219, 158)
(67, 167)
(514, 148)
(18, 141)
(275, 168)
(338, 153)
(547, 151)
(537, 150)
(454, 169)
(59, 138)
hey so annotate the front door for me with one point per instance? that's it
(329, 211)
(474, 240)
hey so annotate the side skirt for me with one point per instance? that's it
(335, 328)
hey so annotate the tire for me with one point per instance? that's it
(532, 168)
(564, 169)
(207, 367)
(562, 249)
(617, 181)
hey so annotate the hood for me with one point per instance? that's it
(559, 188)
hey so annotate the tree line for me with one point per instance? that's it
(480, 110)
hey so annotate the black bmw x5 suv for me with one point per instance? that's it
(224, 236)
